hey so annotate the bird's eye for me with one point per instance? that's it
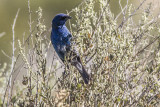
(62, 18)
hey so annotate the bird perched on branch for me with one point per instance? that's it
(61, 41)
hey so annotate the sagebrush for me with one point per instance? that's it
(120, 53)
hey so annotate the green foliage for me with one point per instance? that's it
(123, 60)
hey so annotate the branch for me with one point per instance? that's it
(13, 59)
(124, 21)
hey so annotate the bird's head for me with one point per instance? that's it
(60, 20)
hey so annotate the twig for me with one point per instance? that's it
(13, 59)
(122, 10)
(146, 46)
(91, 57)
(9, 78)
(6, 54)
(101, 16)
(16, 76)
(30, 30)
(123, 22)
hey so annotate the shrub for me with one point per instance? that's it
(122, 56)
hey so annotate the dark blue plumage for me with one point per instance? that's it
(61, 40)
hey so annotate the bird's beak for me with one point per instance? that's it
(68, 17)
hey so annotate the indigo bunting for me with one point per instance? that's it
(61, 41)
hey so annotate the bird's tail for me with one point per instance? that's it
(83, 72)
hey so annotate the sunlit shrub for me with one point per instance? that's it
(122, 57)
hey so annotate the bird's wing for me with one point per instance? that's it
(74, 55)
(74, 58)
(76, 61)
(67, 41)
(65, 45)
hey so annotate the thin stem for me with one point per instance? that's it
(13, 59)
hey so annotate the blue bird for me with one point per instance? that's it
(61, 41)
